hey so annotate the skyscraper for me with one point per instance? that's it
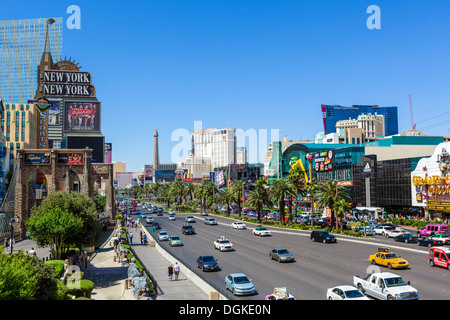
(332, 114)
(21, 46)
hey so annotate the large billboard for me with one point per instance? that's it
(95, 143)
(82, 116)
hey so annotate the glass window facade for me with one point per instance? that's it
(21, 46)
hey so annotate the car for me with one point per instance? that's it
(155, 209)
(345, 292)
(239, 284)
(156, 225)
(280, 294)
(211, 221)
(322, 236)
(171, 211)
(321, 223)
(138, 211)
(187, 229)
(281, 255)
(149, 220)
(238, 225)
(175, 241)
(171, 217)
(381, 230)
(204, 213)
(368, 231)
(406, 238)
(393, 233)
(439, 256)
(207, 263)
(190, 219)
(223, 244)
(444, 239)
(160, 209)
(261, 231)
(427, 242)
(387, 258)
(163, 236)
(432, 229)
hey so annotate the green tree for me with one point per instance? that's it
(54, 227)
(18, 279)
(258, 198)
(82, 207)
(330, 193)
(341, 206)
(298, 178)
(226, 196)
(237, 188)
(282, 189)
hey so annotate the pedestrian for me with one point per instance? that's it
(176, 270)
(131, 237)
(32, 252)
(142, 239)
(145, 239)
(170, 272)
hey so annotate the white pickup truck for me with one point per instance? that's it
(385, 286)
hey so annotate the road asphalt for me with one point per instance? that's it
(109, 276)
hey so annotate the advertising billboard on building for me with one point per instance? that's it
(36, 158)
(95, 143)
(75, 158)
(81, 116)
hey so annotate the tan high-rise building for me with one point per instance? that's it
(19, 125)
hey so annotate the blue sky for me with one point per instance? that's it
(251, 64)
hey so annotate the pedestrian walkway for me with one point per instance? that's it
(188, 286)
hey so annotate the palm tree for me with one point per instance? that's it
(312, 188)
(209, 191)
(190, 189)
(298, 177)
(342, 206)
(226, 196)
(237, 188)
(280, 190)
(177, 190)
(258, 198)
(329, 194)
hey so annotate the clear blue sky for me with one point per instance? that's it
(251, 64)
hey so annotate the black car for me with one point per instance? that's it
(156, 225)
(187, 229)
(322, 236)
(406, 238)
(207, 263)
(321, 224)
(428, 242)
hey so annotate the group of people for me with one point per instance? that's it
(142, 236)
(173, 270)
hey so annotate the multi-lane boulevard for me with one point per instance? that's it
(318, 266)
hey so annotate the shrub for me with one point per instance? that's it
(82, 288)
(58, 266)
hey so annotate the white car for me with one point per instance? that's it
(238, 225)
(345, 293)
(171, 217)
(190, 219)
(171, 211)
(381, 230)
(149, 220)
(223, 244)
(163, 236)
(261, 231)
(393, 233)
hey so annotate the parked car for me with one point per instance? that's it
(322, 236)
(210, 221)
(207, 263)
(439, 256)
(281, 255)
(163, 236)
(368, 230)
(345, 293)
(431, 229)
(187, 229)
(239, 283)
(406, 237)
(175, 241)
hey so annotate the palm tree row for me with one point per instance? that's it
(281, 192)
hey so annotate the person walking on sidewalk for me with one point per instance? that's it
(170, 272)
(176, 270)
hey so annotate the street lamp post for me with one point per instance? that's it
(11, 224)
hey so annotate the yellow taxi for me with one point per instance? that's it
(384, 257)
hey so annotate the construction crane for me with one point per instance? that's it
(413, 125)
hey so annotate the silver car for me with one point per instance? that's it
(210, 221)
(163, 236)
(281, 255)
